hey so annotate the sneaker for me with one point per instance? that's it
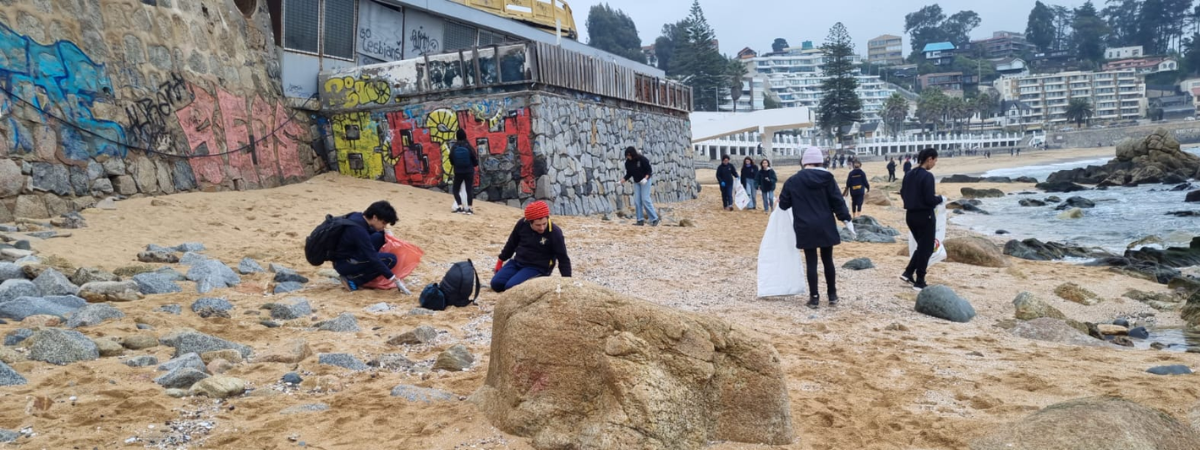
(919, 285)
(833, 301)
(655, 223)
(458, 210)
(469, 212)
(350, 285)
(814, 301)
(640, 223)
(907, 278)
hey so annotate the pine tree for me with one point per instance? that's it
(1040, 30)
(613, 31)
(1089, 34)
(697, 61)
(840, 105)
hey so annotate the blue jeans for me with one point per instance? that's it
(750, 186)
(641, 199)
(726, 195)
(768, 200)
(514, 273)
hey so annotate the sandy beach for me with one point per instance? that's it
(855, 380)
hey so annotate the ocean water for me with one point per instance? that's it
(1122, 215)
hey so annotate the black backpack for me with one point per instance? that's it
(322, 243)
(460, 156)
(460, 287)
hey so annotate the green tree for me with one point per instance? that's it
(1079, 110)
(664, 46)
(1089, 32)
(1040, 30)
(931, 108)
(1151, 27)
(895, 110)
(958, 27)
(985, 105)
(779, 45)
(1062, 26)
(769, 101)
(698, 63)
(840, 104)
(924, 27)
(613, 31)
(1191, 57)
(1122, 18)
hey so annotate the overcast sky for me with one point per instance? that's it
(756, 23)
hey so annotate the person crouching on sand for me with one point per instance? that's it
(535, 246)
(814, 198)
(358, 259)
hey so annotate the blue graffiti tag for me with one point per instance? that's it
(63, 81)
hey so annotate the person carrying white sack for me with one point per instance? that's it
(814, 199)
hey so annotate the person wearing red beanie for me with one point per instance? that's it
(534, 248)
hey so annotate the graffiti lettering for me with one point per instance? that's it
(363, 91)
(148, 117)
(380, 48)
(421, 43)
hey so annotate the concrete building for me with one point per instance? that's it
(951, 83)
(939, 53)
(1124, 52)
(1172, 107)
(1010, 66)
(795, 77)
(1144, 65)
(1114, 96)
(1191, 86)
(1003, 44)
(886, 50)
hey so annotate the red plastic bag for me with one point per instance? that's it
(408, 256)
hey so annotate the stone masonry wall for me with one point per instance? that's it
(584, 145)
(1187, 132)
(140, 97)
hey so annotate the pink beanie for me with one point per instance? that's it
(812, 155)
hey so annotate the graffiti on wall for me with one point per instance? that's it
(148, 118)
(60, 80)
(358, 91)
(415, 145)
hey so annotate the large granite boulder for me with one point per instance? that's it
(1155, 159)
(1095, 423)
(981, 193)
(624, 373)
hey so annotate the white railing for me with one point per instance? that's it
(791, 146)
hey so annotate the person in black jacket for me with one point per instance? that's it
(464, 172)
(814, 199)
(891, 168)
(638, 170)
(857, 187)
(725, 175)
(534, 247)
(750, 180)
(907, 165)
(357, 259)
(766, 184)
(920, 201)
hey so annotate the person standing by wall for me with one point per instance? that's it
(857, 186)
(814, 199)
(725, 178)
(920, 202)
(464, 159)
(750, 180)
(766, 184)
(638, 171)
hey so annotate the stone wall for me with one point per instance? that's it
(1187, 132)
(140, 97)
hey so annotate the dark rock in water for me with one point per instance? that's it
(975, 209)
(982, 193)
(1139, 333)
(998, 179)
(959, 211)
(1076, 202)
(1184, 213)
(1035, 250)
(1177, 369)
(1053, 199)
(961, 179)
(941, 302)
(1026, 180)
(858, 264)
(1001, 231)
(1031, 202)
(1142, 269)
(1181, 187)
(1060, 186)
(1193, 196)
(1121, 322)
(1177, 257)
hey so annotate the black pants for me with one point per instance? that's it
(460, 179)
(727, 195)
(856, 200)
(810, 262)
(891, 174)
(923, 228)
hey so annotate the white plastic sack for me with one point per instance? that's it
(740, 198)
(779, 266)
(939, 236)
(462, 193)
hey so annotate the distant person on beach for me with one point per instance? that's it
(907, 165)
(766, 184)
(920, 200)
(357, 258)
(534, 247)
(891, 168)
(725, 175)
(750, 181)
(638, 171)
(814, 199)
(464, 159)
(857, 187)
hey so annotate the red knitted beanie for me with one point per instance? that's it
(537, 210)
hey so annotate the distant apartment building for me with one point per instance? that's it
(795, 77)
(939, 53)
(1003, 44)
(1124, 52)
(747, 53)
(1172, 107)
(950, 83)
(755, 89)
(1191, 86)
(1144, 65)
(886, 50)
(1115, 95)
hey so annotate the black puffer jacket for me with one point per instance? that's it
(814, 198)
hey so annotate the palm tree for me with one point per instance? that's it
(956, 107)
(736, 72)
(984, 105)
(931, 108)
(1079, 110)
(895, 110)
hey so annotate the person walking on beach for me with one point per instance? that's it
(464, 159)
(891, 168)
(814, 199)
(920, 201)
(750, 180)
(907, 166)
(766, 184)
(637, 170)
(857, 187)
(534, 248)
(725, 175)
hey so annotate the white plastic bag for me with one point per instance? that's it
(939, 236)
(462, 193)
(740, 198)
(779, 266)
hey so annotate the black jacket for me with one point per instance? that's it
(767, 180)
(857, 182)
(726, 173)
(814, 198)
(917, 191)
(637, 168)
(474, 157)
(749, 173)
(891, 167)
(356, 244)
(538, 250)
(907, 166)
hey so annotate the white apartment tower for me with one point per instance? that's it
(1115, 95)
(795, 77)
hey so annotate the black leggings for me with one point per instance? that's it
(923, 228)
(467, 178)
(856, 200)
(810, 261)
